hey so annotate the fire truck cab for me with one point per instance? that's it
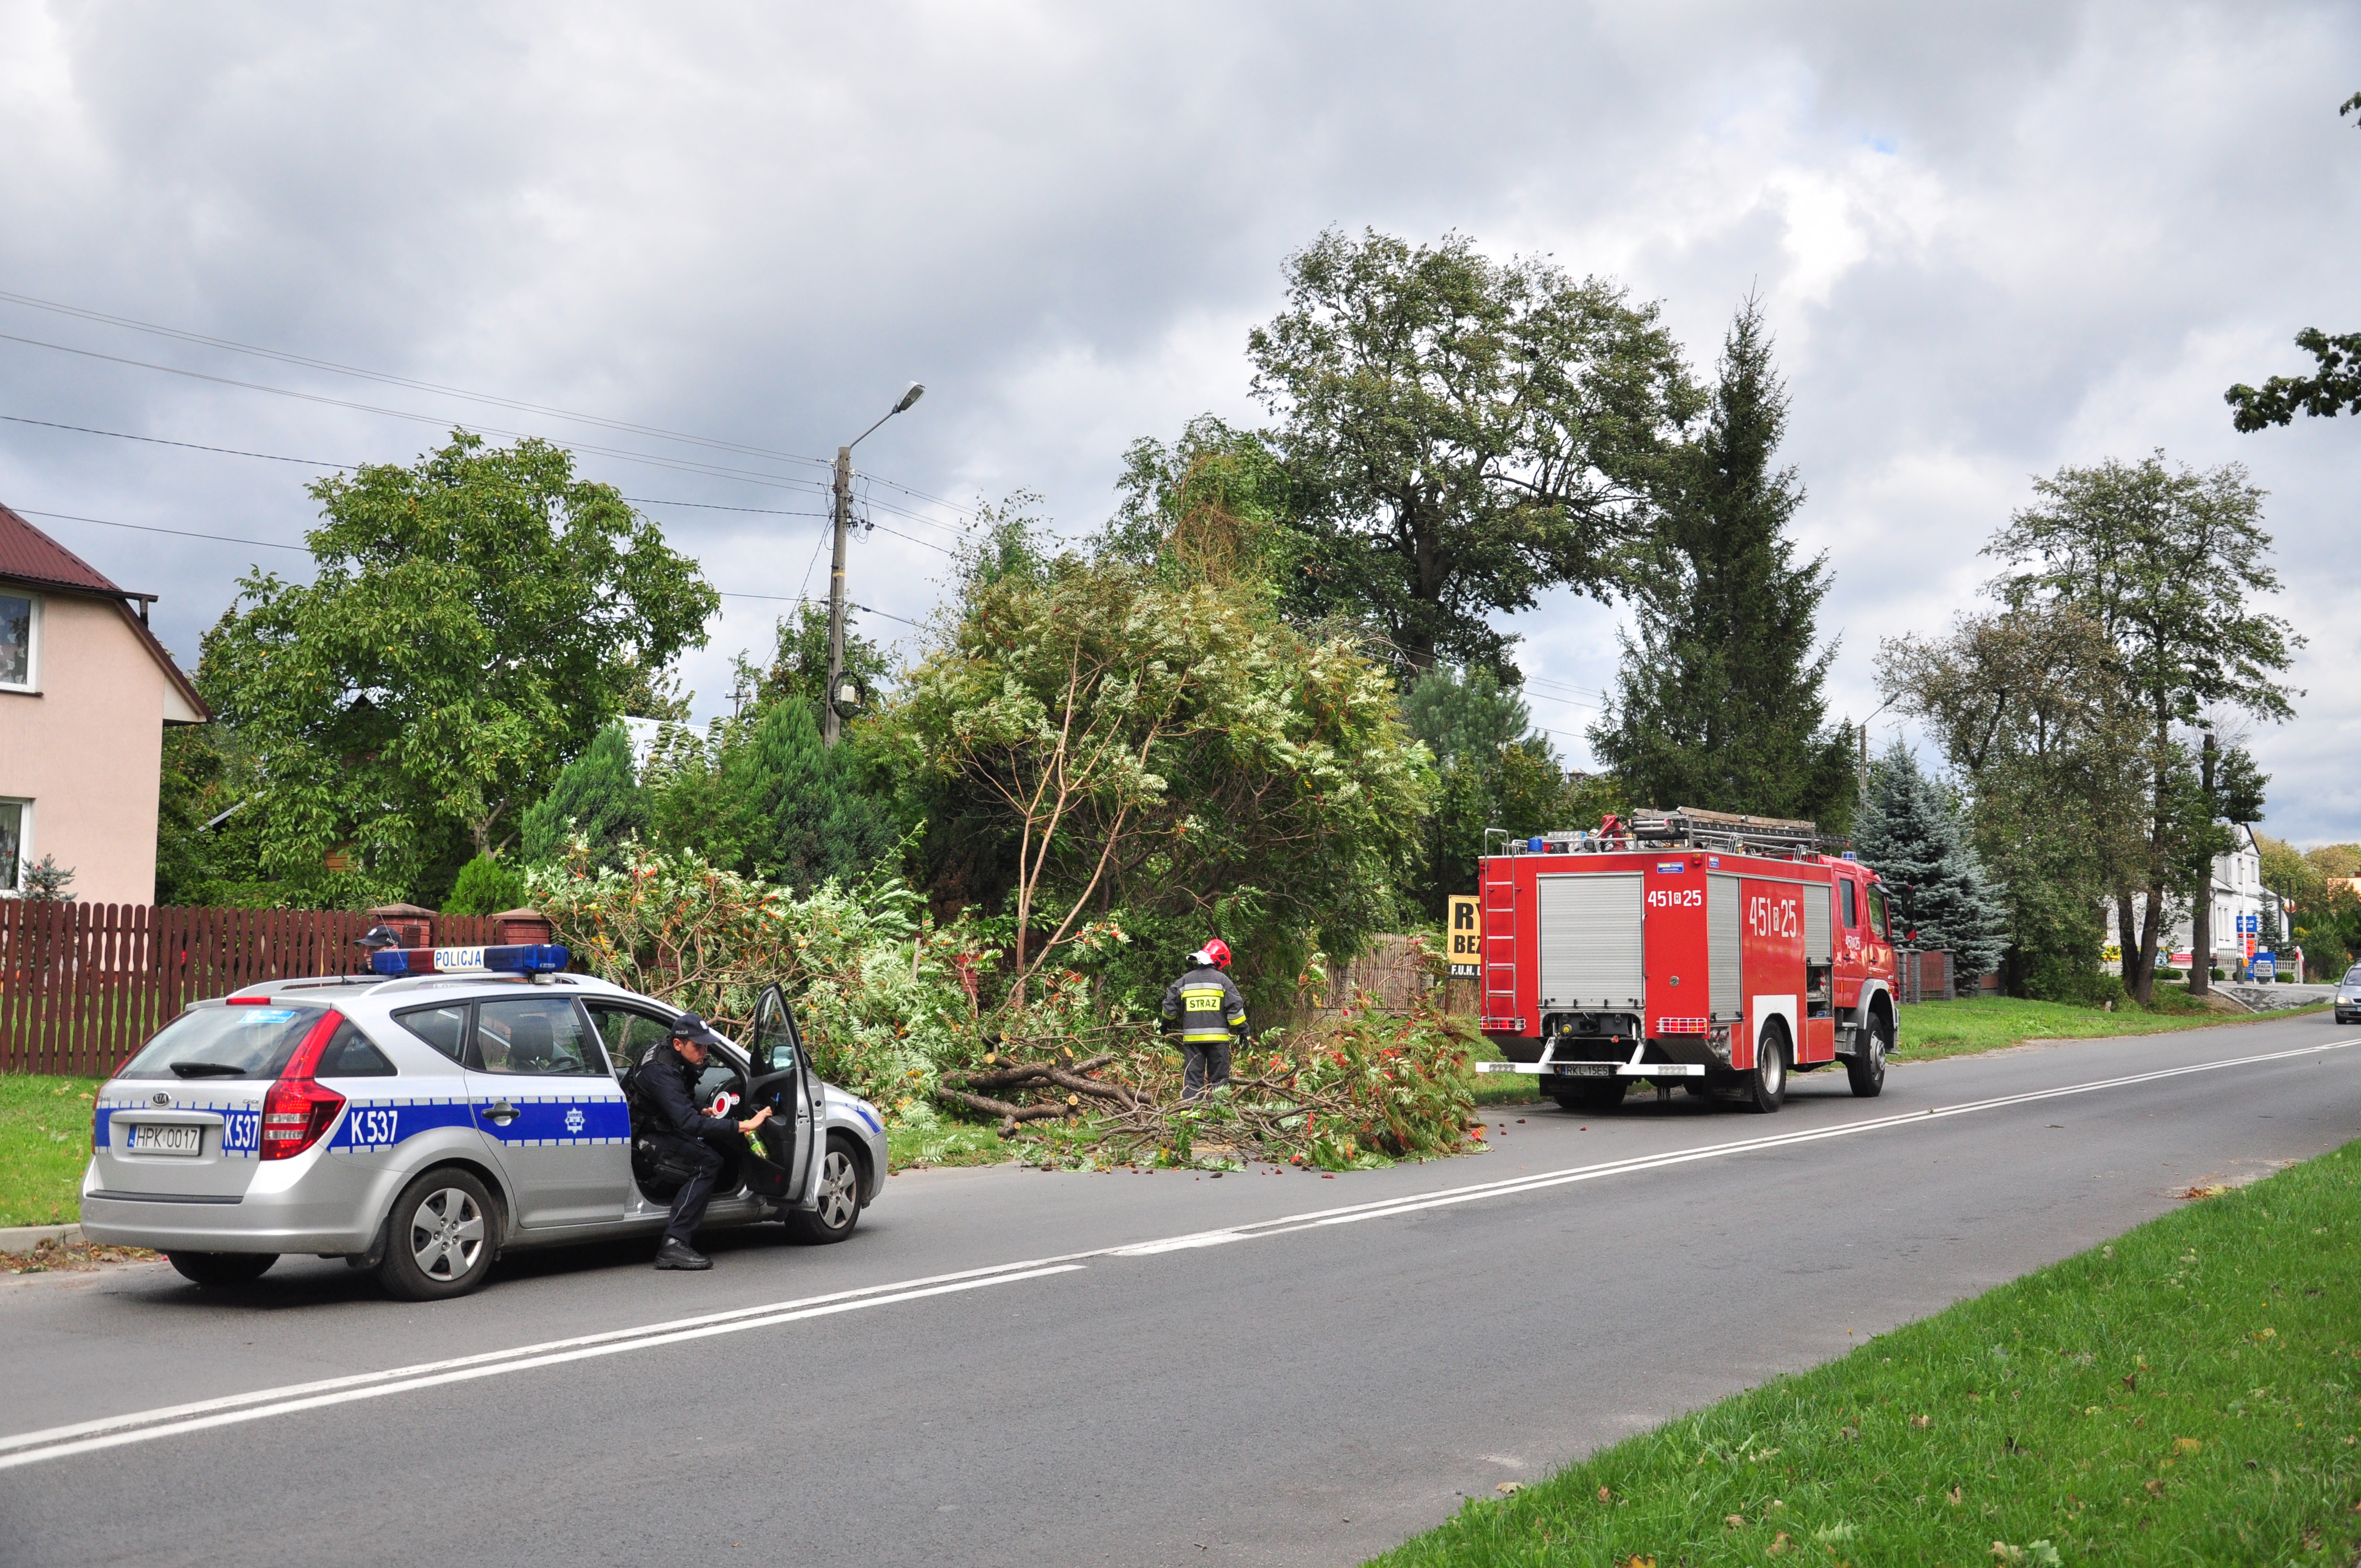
(1719, 951)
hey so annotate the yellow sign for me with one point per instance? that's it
(1464, 927)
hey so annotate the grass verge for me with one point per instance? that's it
(1931, 1029)
(2186, 1394)
(44, 1148)
(946, 1142)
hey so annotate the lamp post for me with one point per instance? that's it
(838, 692)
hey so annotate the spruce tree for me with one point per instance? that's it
(596, 797)
(1910, 832)
(812, 818)
(1720, 701)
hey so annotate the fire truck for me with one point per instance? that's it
(1717, 952)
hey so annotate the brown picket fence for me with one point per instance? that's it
(84, 985)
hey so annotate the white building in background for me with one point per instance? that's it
(2239, 894)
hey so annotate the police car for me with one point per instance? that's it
(457, 1104)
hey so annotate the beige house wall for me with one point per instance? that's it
(86, 747)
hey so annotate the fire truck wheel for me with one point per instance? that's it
(1595, 1095)
(1766, 1086)
(1867, 1070)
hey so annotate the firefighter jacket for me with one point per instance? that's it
(1206, 1005)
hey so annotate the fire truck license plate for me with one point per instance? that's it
(1587, 1069)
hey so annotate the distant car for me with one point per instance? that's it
(2348, 996)
(422, 1126)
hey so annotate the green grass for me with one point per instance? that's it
(1501, 1088)
(2187, 1393)
(44, 1148)
(1929, 1029)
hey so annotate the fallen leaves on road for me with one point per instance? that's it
(76, 1257)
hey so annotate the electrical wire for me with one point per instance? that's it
(179, 335)
(749, 475)
(305, 550)
(323, 463)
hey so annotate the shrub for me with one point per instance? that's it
(485, 887)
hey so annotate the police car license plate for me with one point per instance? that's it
(1587, 1069)
(150, 1137)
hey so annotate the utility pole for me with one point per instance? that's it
(2200, 906)
(831, 723)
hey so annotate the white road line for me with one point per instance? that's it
(83, 1437)
(492, 1369)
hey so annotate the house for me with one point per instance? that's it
(2238, 895)
(85, 693)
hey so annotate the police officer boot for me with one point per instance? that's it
(680, 1255)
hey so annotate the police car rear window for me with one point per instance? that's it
(444, 1028)
(223, 1042)
(350, 1054)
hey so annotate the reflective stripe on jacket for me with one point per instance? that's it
(1206, 1005)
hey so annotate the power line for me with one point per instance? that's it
(323, 463)
(388, 380)
(306, 550)
(749, 475)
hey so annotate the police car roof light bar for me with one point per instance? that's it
(527, 959)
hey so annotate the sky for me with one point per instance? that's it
(1992, 240)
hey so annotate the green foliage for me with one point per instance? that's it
(1494, 773)
(2165, 563)
(2028, 705)
(1105, 738)
(596, 799)
(1719, 702)
(880, 992)
(1910, 832)
(2182, 1394)
(485, 887)
(1215, 503)
(1460, 434)
(2333, 388)
(798, 667)
(473, 622)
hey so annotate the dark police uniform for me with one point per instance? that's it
(667, 1085)
(1206, 1005)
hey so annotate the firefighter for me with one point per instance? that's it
(1204, 1002)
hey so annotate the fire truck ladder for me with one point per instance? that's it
(1688, 827)
(1500, 948)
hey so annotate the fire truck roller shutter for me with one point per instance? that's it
(1591, 951)
(1722, 939)
(1820, 941)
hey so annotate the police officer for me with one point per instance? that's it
(667, 1085)
(1206, 1005)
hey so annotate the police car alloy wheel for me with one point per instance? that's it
(440, 1242)
(840, 1198)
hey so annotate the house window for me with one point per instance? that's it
(16, 828)
(20, 619)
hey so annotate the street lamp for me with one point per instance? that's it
(841, 692)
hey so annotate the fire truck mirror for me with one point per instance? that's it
(1464, 926)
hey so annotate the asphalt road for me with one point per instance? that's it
(1277, 1389)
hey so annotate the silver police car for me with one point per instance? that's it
(2348, 996)
(422, 1125)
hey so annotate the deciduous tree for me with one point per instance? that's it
(1460, 433)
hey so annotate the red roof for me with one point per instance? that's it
(30, 555)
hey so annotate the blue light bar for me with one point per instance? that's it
(530, 957)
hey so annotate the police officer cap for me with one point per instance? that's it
(689, 1026)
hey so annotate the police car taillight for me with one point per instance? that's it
(524, 959)
(296, 1111)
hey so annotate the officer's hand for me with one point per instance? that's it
(755, 1120)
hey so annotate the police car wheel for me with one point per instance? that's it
(441, 1239)
(839, 1209)
(222, 1267)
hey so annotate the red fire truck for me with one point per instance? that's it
(1717, 952)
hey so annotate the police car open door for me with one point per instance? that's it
(781, 1147)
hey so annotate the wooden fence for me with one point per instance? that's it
(84, 985)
